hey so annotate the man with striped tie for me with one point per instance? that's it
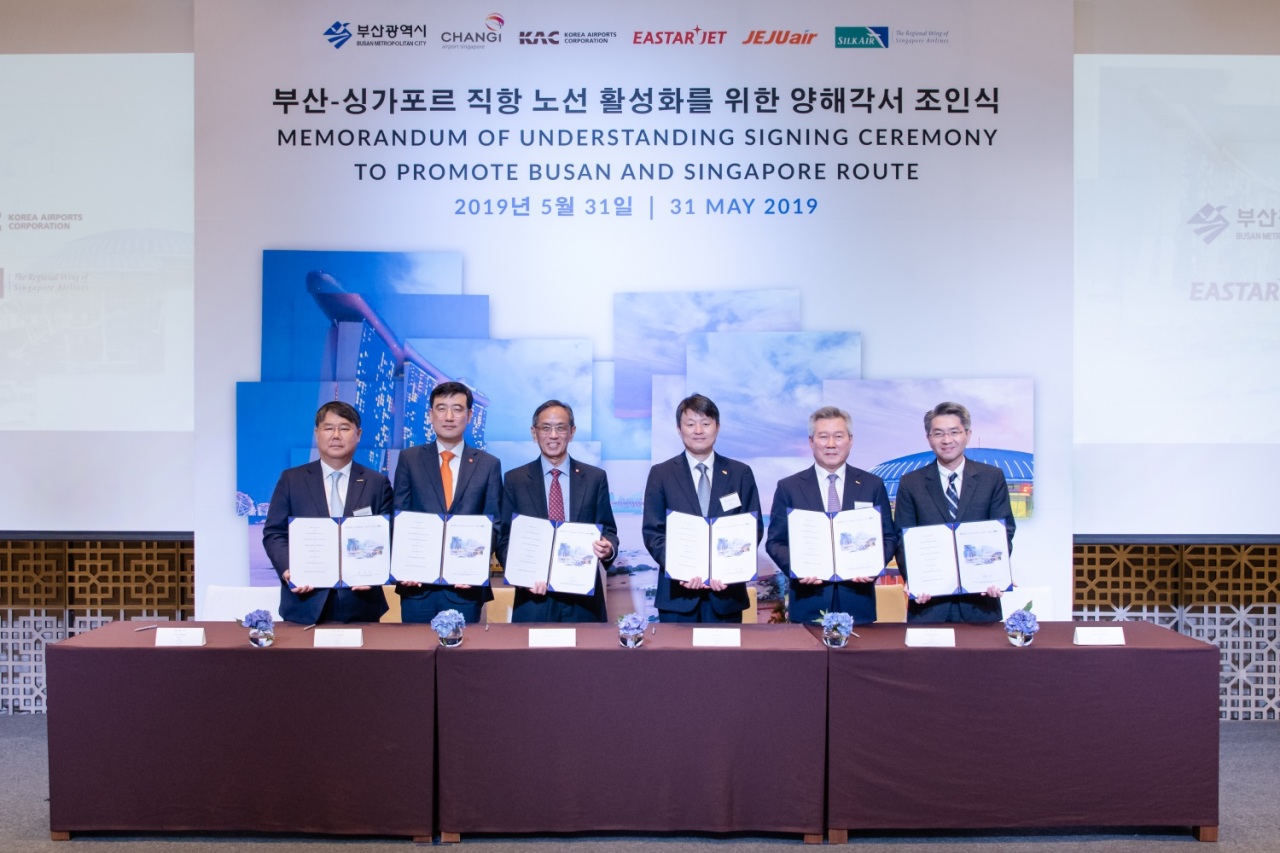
(955, 489)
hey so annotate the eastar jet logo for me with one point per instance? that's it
(697, 35)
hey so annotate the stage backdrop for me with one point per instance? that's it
(635, 203)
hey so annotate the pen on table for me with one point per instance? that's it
(151, 627)
(309, 627)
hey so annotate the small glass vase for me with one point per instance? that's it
(1020, 638)
(835, 639)
(630, 641)
(261, 639)
(451, 639)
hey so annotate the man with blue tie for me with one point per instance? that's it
(447, 476)
(953, 489)
(829, 485)
(697, 482)
(558, 487)
(336, 487)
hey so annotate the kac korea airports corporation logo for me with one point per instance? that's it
(868, 37)
(1208, 222)
(338, 34)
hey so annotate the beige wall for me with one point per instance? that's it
(97, 26)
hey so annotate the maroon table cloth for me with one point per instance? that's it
(664, 737)
(229, 737)
(987, 735)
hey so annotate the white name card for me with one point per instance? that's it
(931, 638)
(553, 638)
(1111, 635)
(721, 637)
(179, 636)
(338, 638)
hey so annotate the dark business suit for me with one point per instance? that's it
(801, 491)
(477, 491)
(524, 493)
(671, 487)
(984, 495)
(301, 493)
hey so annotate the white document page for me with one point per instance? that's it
(553, 638)
(983, 547)
(574, 565)
(417, 541)
(717, 637)
(1109, 635)
(468, 541)
(338, 638)
(529, 546)
(313, 552)
(931, 559)
(809, 544)
(179, 636)
(366, 550)
(858, 538)
(687, 547)
(931, 637)
(733, 548)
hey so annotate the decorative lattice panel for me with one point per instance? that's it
(23, 637)
(1165, 617)
(1236, 575)
(1127, 575)
(33, 574)
(129, 577)
(1248, 639)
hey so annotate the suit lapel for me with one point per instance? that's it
(576, 490)
(811, 495)
(852, 487)
(933, 485)
(721, 485)
(431, 459)
(536, 490)
(355, 488)
(685, 482)
(968, 485)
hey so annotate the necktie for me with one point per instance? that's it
(953, 497)
(704, 490)
(446, 476)
(555, 502)
(833, 499)
(335, 497)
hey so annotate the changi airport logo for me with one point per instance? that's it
(338, 34)
(1208, 222)
(872, 37)
(779, 37)
(491, 34)
(695, 36)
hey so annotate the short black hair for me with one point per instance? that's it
(448, 389)
(551, 404)
(700, 404)
(346, 411)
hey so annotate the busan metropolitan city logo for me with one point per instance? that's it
(864, 37)
(1208, 222)
(338, 34)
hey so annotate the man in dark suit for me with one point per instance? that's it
(955, 489)
(332, 486)
(697, 482)
(560, 488)
(830, 485)
(447, 476)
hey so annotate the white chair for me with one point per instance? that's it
(229, 603)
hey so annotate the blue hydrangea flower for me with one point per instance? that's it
(258, 620)
(447, 622)
(840, 623)
(632, 623)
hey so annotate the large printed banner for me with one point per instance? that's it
(617, 207)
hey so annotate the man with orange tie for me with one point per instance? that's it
(447, 476)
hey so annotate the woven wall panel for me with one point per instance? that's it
(130, 577)
(33, 574)
(1235, 575)
(1127, 575)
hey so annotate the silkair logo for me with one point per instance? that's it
(338, 34)
(539, 37)
(866, 37)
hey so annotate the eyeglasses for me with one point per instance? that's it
(947, 433)
(554, 429)
(340, 429)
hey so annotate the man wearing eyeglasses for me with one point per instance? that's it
(954, 489)
(558, 487)
(447, 476)
(332, 486)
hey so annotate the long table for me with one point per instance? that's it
(229, 737)
(985, 735)
(661, 738)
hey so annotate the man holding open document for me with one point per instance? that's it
(557, 528)
(701, 523)
(963, 528)
(831, 530)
